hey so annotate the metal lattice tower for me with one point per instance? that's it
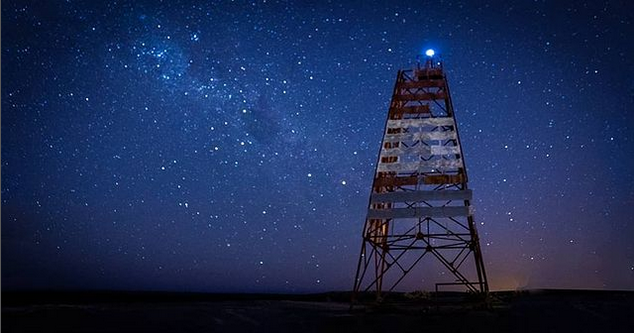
(420, 203)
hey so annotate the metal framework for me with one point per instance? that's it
(420, 205)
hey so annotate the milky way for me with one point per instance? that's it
(231, 146)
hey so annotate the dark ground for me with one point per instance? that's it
(534, 311)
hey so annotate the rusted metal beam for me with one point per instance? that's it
(395, 181)
(421, 84)
(443, 179)
(428, 96)
(424, 109)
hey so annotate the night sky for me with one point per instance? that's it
(230, 146)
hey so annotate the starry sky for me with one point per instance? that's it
(230, 146)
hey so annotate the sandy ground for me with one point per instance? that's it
(545, 311)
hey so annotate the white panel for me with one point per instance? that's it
(401, 137)
(418, 212)
(444, 135)
(436, 135)
(420, 166)
(413, 196)
(400, 151)
(401, 123)
(445, 150)
(420, 150)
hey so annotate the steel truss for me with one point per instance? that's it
(420, 205)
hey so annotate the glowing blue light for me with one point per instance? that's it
(430, 53)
